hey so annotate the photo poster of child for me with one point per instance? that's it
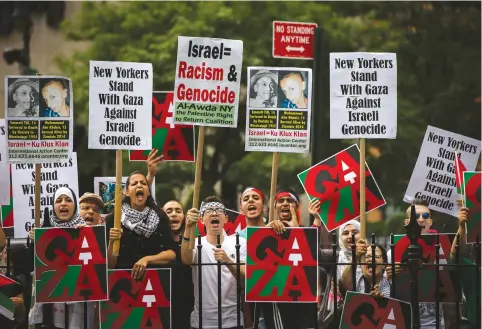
(105, 188)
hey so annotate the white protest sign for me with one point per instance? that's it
(3, 141)
(433, 178)
(120, 106)
(105, 188)
(39, 118)
(208, 76)
(52, 176)
(363, 95)
(278, 122)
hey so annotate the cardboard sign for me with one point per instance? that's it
(120, 105)
(433, 178)
(362, 311)
(235, 222)
(293, 40)
(363, 95)
(282, 268)
(472, 192)
(70, 264)
(279, 109)
(137, 304)
(336, 182)
(174, 141)
(52, 176)
(105, 188)
(39, 118)
(208, 76)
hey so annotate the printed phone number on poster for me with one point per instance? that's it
(35, 154)
(255, 144)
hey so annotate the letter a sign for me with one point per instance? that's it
(293, 40)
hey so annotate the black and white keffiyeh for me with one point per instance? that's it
(72, 222)
(210, 205)
(143, 222)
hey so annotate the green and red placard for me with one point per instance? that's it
(7, 211)
(362, 311)
(70, 264)
(282, 267)
(336, 183)
(137, 304)
(175, 141)
(472, 185)
(7, 308)
(448, 284)
(235, 222)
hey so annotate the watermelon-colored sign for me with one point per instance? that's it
(235, 222)
(336, 183)
(282, 267)
(137, 304)
(70, 264)
(7, 210)
(7, 308)
(362, 311)
(175, 140)
(472, 184)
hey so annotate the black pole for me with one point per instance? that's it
(334, 246)
(392, 249)
(316, 102)
(8, 257)
(477, 279)
(353, 261)
(413, 232)
(200, 280)
(220, 316)
(437, 280)
(238, 282)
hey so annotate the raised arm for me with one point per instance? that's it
(187, 253)
(463, 216)
(152, 161)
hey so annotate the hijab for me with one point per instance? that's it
(345, 255)
(73, 221)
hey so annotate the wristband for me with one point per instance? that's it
(184, 239)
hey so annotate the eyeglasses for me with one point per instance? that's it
(367, 256)
(210, 212)
(87, 208)
(425, 215)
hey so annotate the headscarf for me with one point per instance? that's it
(73, 221)
(254, 189)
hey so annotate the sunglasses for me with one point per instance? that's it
(425, 215)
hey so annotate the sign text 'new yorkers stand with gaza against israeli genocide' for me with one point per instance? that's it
(208, 75)
(120, 106)
(363, 95)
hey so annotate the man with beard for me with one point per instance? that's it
(183, 300)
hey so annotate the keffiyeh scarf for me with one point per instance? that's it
(143, 222)
(72, 222)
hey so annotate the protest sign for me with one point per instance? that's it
(363, 311)
(472, 185)
(427, 291)
(336, 183)
(4, 183)
(282, 268)
(39, 118)
(7, 286)
(174, 141)
(120, 107)
(137, 304)
(433, 178)
(105, 188)
(70, 264)
(363, 95)
(208, 75)
(7, 210)
(235, 222)
(53, 176)
(278, 110)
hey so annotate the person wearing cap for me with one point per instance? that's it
(264, 88)
(90, 207)
(23, 98)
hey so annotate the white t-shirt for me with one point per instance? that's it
(426, 310)
(210, 285)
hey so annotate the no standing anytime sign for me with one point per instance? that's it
(293, 40)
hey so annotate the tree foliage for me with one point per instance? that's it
(438, 54)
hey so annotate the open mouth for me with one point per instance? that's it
(175, 221)
(285, 212)
(64, 211)
(251, 208)
(215, 223)
(140, 195)
(89, 220)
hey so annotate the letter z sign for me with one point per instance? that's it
(293, 40)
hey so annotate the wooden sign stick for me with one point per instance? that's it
(37, 191)
(274, 182)
(362, 189)
(197, 179)
(118, 198)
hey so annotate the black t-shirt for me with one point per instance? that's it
(12, 290)
(134, 246)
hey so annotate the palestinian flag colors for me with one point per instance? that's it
(70, 264)
(282, 268)
(362, 311)
(7, 210)
(472, 185)
(459, 173)
(336, 183)
(235, 222)
(175, 140)
(6, 305)
(137, 304)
